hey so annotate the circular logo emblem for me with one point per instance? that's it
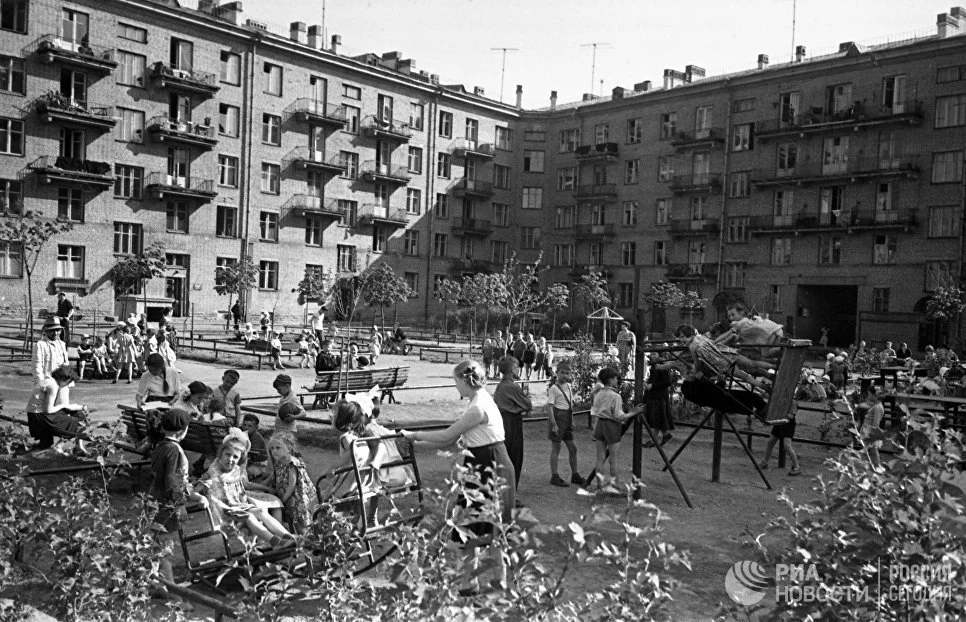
(747, 582)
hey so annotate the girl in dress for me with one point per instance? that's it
(100, 357)
(126, 354)
(292, 484)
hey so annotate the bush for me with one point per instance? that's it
(585, 364)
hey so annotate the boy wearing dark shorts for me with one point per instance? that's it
(783, 431)
(561, 422)
(608, 412)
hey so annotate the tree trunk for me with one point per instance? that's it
(553, 327)
(29, 336)
(382, 310)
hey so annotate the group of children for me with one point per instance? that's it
(125, 347)
(532, 355)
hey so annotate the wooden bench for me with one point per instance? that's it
(359, 381)
(954, 408)
(204, 437)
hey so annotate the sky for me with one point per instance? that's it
(453, 38)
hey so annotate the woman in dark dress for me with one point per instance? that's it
(657, 400)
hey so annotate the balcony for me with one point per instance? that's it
(599, 152)
(706, 138)
(55, 49)
(853, 169)
(696, 183)
(579, 271)
(594, 232)
(54, 107)
(162, 185)
(376, 171)
(473, 266)
(306, 205)
(472, 227)
(472, 188)
(382, 215)
(306, 158)
(692, 271)
(856, 117)
(163, 128)
(314, 111)
(190, 80)
(847, 221)
(61, 170)
(386, 129)
(596, 191)
(469, 148)
(703, 226)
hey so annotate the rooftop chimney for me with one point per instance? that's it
(336, 43)
(230, 12)
(207, 6)
(479, 91)
(643, 87)
(693, 72)
(668, 78)
(617, 93)
(406, 66)
(316, 38)
(434, 78)
(588, 97)
(519, 96)
(553, 100)
(296, 32)
(948, 25)
(799, 53)
(762, 61)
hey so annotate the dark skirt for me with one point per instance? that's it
(487, 459)
(784, 430)
(657, 409)
(43, 426)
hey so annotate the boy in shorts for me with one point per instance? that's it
(561, 398)
(782, 431)
(608, 412)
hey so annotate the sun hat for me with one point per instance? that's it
(52, 324)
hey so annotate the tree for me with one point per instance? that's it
(520, 284)
(316, 284)
(29, 231)
(489, 290)
(946, 304)
(447, 291)
(556, 298)
(383, 289)
(134, 271)
(236, 278)
(664, 295)
(592, 291)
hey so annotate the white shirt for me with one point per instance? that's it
(48, 355)
(491, 429)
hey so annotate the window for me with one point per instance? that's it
(566, 178)
(628, 253)
(776, 295)
(443, 165)
(230, 69)
(503, 138)
(532, 198)
(738, 185)
(130, 68)
(601, 133)
(271, 178)
(127, 238)
(743, 137)
(439, 244)
(781, 251)
(830, 250)
(416, 113)
(569, 140)
(467, 248)
(565, 217)
(272, 79)
(227, 171)
(738, 229)
(351, 92)
(416, 160)
(411, 242)
(529, 237)
(70, 204)
(346, 258)
(414, 201)
(13, 15)
(472, 132)
(350, 210)
(533, 161)
(128, 181)
(350, 162)
(445, 124)
(669, 122)
(950, 111)
(271, 129)
(226, 221)
(838, 99)
(501, 215)
(744, 105)
(70, 262)
(734, 275)
(787, 159)
(660, 253)
(630, 213)
(131, 126)
(632, 171)
(380, 236)
(563, 254)
(880, 299)
(11, 195)
(228, 120)
(884, 249)
(176, 213)
(498, 251)
(501, 176)
(944, 222)
(950, 74)
(412, 281)
(352, 119)
(11, 260)
(268, 275)
(11, 136)
(596, 254)
(662, 211)
(702, 120)
(181, 55)
(132, 33)
(947, 166)
(442, 205)
(73, 143)
(268, 226)
(12, 77)
(534, 136)
(665, 168)
(635, 130)
(940, 274)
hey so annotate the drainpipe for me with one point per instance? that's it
(430, 164)
(245, 200)
(724, 191)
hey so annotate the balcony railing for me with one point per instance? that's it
(469, 148)
(600, 151)
(467, 264)
(165, 128)
(382, 215)
(53, 48)
(596, 191)
(308, 205)
(304, 157)
(382, 127)
(379, 171)
(472, 187)
(843, 220)
(848, 168)
(55, 107)
(595, 231)
(908, 111)
(309, 109)
(698, 226)
(54, 169)
(696, 182)
(184, 79)
(161, 184)
(472, 226)
(708, 136)
(695, 270)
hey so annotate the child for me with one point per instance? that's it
(870, 427)
(838, 371)
(712, 360)
(657, 401)
(351, 421)
(375, 344)
(85, 353)
(226, 400)
(561, 398)
(529, 356)
(100, 356)
(292, 484)
(276, 344)
(513, 403)
(313, 349)
(783, 431)
(608, 413)
(289, 407)
(258, 454)
(489, 348)
(747, 330)
(126, 354)
(303, 349)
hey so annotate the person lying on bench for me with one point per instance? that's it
(713, 360)
(50, 412)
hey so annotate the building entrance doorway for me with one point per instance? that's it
(832, 306)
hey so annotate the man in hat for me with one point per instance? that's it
(65, 310)
(49, 352)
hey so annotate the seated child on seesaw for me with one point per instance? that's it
(713, 360)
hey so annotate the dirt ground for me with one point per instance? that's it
(718, 531)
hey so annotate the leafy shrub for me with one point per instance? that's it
(585, 364)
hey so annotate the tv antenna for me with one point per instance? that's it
(794, 19)
(593, 62)
(503, 66)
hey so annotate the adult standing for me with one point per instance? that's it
(317, 324)
(65, 310)
(236, 314)
(375, 344)
(513, 404)
(626, 345)
(49, 351)
(499, 350)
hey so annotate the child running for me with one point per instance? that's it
(608, 412)
(561, 398)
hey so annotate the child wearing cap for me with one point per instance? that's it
(289, 408)
(561, 420)
(85, 353)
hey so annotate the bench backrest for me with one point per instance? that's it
(786, 378)
(136, 422)
(362, 379)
